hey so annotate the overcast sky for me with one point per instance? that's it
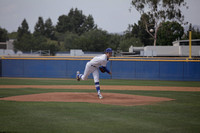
(110, 15)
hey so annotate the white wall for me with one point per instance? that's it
(184, 50)
(10, 44)
(172, 50)
(163, 50)
(76, 52)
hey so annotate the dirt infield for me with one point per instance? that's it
(109, 98)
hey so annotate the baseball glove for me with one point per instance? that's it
(102, 69)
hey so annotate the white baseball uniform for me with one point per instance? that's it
(93, 65)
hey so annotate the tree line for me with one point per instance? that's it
(78, 31)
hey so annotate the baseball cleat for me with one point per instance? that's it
(100, 96)
(77, 76)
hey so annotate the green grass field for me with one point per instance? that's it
(179, 116)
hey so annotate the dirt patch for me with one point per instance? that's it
(106, 87)
(109, 98)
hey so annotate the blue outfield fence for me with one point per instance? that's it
(156, 70)
(181, 70)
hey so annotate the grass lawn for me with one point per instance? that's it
(179, 116)
(38, 81)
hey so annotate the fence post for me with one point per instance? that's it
(190, 44)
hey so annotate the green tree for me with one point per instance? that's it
(49, 29)
(12, 35)
(60, 36)
(23, 30)
(39, 27)
(195, 33)
(89, 24)
(113, 41)
(71, 41)
(24, 44)
(169, 32)
(39, 43)
(125, 43)
(93, 40)
(159, 11)
(138, 31)
(53, 46)
(42, 43)
(3, 35)
(75, 22)
(63, 24)
(24, 37)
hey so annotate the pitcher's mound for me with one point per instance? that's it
(109, 98)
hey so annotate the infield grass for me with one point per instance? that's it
(179, 116)
(42, 81)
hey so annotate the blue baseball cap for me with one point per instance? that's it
(108, 50)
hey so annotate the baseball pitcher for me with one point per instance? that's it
(93, 66)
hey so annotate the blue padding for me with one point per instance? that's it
(123, 69)
(73, 66)
(192, 71)
(147, 70)
(12, 68)
(34, 68)
(55, 68)
(144, 70)
(171, 70)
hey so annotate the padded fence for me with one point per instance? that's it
(156, 70)
(121, 69)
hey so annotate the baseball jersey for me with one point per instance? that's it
(100, 60)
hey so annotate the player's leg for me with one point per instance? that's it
(96, 81)
(88, 69)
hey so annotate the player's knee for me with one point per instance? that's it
(96, 79)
